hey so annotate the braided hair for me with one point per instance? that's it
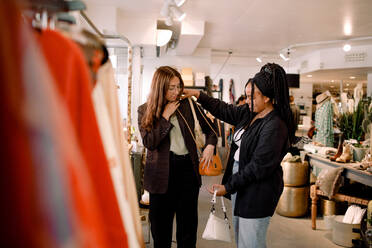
(272, 82)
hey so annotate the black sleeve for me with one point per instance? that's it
(226, 112)
(266, 157)
(151, 139)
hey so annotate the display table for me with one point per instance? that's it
(349, 172)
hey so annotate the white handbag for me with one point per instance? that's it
(217, 228)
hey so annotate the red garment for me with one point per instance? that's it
(26, 220)
(69, 68)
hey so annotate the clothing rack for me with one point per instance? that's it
(130, 65)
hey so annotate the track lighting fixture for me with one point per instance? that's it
(171, 10)
(283, 57)
(179, 3)
(163, 37)
(177, 13)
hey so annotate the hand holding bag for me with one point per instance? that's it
(217, 228)
(215, 167)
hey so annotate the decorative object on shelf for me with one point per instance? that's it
(346, 154)
(340, 147)
(187, 76)
(208, 85)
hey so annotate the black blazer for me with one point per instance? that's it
(157, 142)
(259, 181)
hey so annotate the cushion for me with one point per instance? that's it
(329, 181)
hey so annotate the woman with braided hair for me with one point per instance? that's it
(263, 133)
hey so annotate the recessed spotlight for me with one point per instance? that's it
(259, 59)
(352, 77)
(309, 76)
(332, 81)
(347, 84)
(347, 28)
(347, 47)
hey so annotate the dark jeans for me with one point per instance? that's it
(180, 199)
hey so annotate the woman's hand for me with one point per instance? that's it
(221, 190)
(207, 156)
(170, 108)
(189, 92)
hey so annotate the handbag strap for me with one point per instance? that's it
(193, 112)
(197, 106)
(213, 201)
(192, 134)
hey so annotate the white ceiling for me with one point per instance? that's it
(264, 27)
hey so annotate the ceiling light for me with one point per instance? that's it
(165, 10)
(346, 89)
(347, 47)
(169, 21)
(332, 81)
(347, 28)
(163, 37)
(332, 86)
(347, 84)
(259, 60)
(352, 77)
(309, 76)
(178, 13)
(283, 57)
(179, 2)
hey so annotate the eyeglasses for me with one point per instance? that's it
(174, 87)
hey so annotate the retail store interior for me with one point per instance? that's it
(80, 173)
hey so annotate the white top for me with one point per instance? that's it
(237, 140)
(177, 143)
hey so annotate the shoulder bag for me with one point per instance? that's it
(214, 168)
(217, 228)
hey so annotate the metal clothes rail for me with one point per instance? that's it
(130, 66)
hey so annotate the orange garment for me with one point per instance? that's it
(26, 220)
(70, 71)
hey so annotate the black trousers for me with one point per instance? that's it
(180, 199)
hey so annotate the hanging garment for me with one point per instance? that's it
(105, 77)
(232, 91)
(74, 84)
(324, 124)
(44, 203)
(116, 167)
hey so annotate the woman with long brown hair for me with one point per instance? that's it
(171, 171)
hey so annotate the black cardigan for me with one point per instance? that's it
(259, 182)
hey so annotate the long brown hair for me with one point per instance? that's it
(156, 100)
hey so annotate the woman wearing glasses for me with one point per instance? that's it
(171, 170)
(264, 128)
